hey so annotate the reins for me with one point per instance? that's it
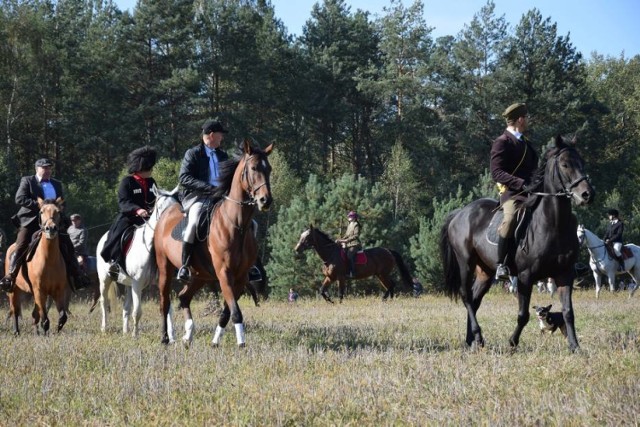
(566, 189)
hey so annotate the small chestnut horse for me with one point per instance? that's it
(45, 274)
(231, 248)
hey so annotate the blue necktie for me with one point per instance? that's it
(213, 170)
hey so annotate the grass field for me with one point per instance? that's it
(363, 362)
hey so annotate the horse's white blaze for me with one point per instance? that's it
(240, 336)
(217, 336)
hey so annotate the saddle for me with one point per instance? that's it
(204, 219)
(361, 256)
(523, 217)
(625, 252)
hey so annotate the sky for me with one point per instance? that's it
(608, 27)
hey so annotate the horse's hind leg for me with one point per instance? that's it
(472, 298)
(389, 286)
(15, 309)
(126, 310)
(136, 294)
(185, 296)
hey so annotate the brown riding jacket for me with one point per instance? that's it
(513, 161)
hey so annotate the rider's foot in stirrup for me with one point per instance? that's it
(184, 273)
(502, 272)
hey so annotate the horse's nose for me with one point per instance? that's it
(588, 196)
(265, 202)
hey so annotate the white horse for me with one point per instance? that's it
(141, 268)
(602, 263)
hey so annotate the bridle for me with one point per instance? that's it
(44, 227)
(251, 189)
(567, 188)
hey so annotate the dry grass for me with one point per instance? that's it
(310, 363)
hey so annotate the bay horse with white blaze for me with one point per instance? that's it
(547, 245)
(230, 248)
(379, 262)
(45, 274)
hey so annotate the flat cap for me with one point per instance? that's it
(43, 163)
(74, 216)
(213, 126)
(514, 111)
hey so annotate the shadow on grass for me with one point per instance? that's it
(350, 338)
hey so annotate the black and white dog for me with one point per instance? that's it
(549, 321)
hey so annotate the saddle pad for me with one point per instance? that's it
(33, 244)
(492, 229)
(626, 252)
(361, 256)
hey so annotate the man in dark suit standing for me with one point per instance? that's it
(40, 185)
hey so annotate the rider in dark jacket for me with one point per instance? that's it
(613, 235)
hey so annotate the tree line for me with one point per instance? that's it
(374, 115)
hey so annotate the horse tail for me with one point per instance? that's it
(450, 265)
(402, 268)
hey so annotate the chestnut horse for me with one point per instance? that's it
(231, 247)
(45, 274)
(380, 262)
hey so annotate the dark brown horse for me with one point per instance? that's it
(547, 247)
(379, 262)
(230, 249)
(45, 274)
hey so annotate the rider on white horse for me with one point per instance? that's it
(613, 235)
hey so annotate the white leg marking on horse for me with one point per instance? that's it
(218, 335)
(188, 331)
(240, 333)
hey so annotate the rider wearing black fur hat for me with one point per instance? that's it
(135, 200)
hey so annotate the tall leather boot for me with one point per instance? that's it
(502, 271)
(184, 273)
(8, 281)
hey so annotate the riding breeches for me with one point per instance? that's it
(617, 248)
(508, 224)
(192, 221)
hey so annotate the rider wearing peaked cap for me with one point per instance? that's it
(613, 235)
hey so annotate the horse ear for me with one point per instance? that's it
(559, 141)
(40, 202)
(310, 226)
(247, 146)
(268, 150)
(574, 140)
(60, 203)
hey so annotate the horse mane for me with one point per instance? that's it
(323, 234)
(225, 178)
(554, 146)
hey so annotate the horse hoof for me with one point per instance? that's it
(165, 341)
(186, 343)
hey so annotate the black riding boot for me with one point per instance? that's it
(184, 273)
(502, 271)
(8, 281)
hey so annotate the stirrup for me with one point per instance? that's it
(184, 273)
(502, 272)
